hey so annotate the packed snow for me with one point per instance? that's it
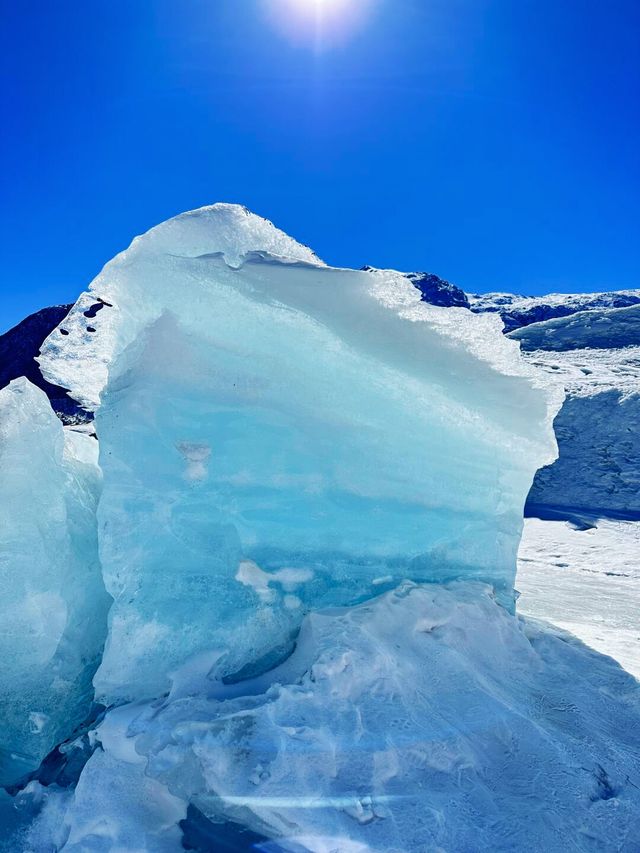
(585, 578)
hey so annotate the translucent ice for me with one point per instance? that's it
(52, 601)
(278, 436)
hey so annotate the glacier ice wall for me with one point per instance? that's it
(52, 601)
(278, 436)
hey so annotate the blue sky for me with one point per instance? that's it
(494, 142)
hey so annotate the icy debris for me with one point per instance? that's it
(278, 443)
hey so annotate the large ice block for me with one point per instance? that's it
(277, 436)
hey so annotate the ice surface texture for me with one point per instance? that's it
(278, 436)
(52, 601)
(429, 719)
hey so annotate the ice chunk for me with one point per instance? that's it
(52, 601)
(260, 409)
(115, 806)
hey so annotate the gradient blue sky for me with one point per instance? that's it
(494, 142)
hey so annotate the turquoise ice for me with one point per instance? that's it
(278, 436)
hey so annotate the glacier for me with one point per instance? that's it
(285, 563)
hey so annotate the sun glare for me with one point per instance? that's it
(322, 23)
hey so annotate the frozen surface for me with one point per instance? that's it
(585, 581)
(121, 301)
(52, 600)
(427, 719)
(277, 436)
(114, 807)
(306, 508)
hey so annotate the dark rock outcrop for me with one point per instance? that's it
(18, 350)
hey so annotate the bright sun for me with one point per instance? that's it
(321, 22)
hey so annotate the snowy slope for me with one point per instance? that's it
(598, 328)
(517, 311)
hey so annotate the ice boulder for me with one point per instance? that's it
(53, 604)
(278, 436)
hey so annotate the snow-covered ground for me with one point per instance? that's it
(518, 311)
(585, 578)
(585, 581)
